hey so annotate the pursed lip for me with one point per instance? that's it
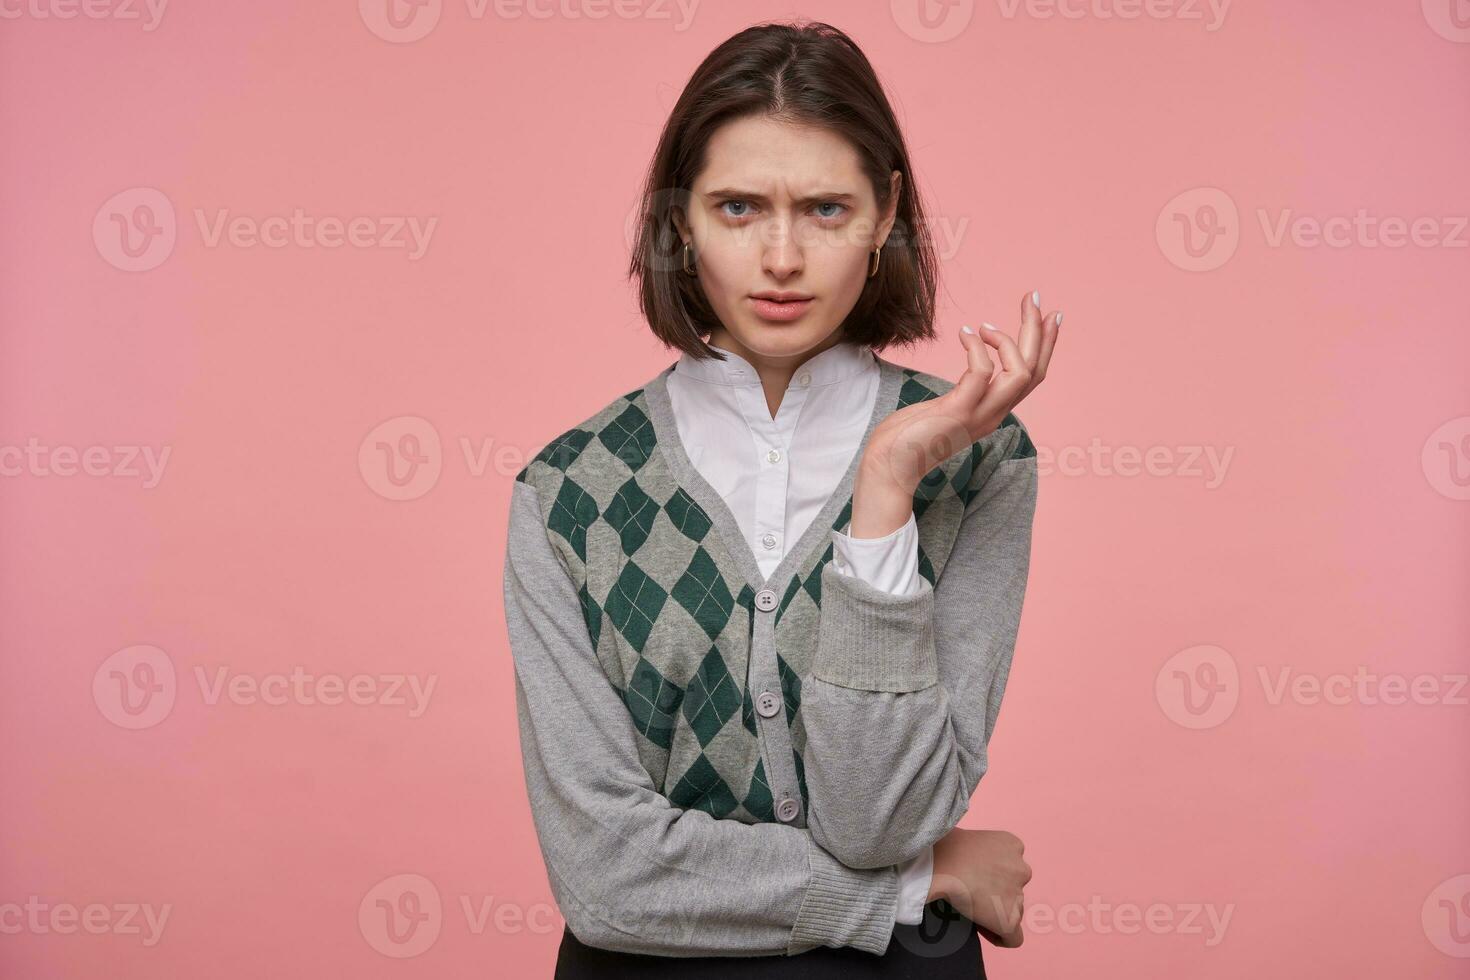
(780, 296)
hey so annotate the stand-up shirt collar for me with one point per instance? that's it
(840, 362)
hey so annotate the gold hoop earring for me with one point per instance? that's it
(873, 266)
(687, 252)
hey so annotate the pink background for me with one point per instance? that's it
(1059, 153)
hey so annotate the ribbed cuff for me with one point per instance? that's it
(845, 906)
(874, 640)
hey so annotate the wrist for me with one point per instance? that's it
(880, 503)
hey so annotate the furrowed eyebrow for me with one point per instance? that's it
(819, 197)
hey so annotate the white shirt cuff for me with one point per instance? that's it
(889, 563)
(914, 879)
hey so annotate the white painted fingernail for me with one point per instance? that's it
(988, 326)
(1036, 298)
(1059, 319)
(966, 328)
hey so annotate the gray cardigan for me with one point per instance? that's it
(724, 764)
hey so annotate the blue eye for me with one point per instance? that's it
(842, 209)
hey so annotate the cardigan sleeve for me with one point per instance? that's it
(891, 564)
(629, 870)
(908, 687)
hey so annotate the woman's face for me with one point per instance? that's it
(782, 208)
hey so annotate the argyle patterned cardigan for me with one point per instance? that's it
(723, 764)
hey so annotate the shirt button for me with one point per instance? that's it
(765, 600)
(787, 808)
(767, 704)
(774, 455)
(769, 541)
(805, 378)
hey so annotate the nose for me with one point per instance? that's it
(781, 255)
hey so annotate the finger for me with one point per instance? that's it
(1049, 330)
(1013, 366)
(976, 380)
(1030, 327)
(1005, 940)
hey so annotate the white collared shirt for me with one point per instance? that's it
(776, 475)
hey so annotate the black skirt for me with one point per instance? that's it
(945, 946)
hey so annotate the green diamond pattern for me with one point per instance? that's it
(688, 516)
(561, 452)
(653, 700)
(633, 604)
(630, 437)
(572, 514)
(702, 591)
(701, 788)
(632, 513)
(712, 698)
(758, 801)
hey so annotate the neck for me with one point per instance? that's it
(775, 371)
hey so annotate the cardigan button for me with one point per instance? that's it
(787, 808)
(765, 600)
(767, 704)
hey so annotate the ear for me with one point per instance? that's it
(890, 213)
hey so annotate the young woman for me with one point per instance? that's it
(762, 608)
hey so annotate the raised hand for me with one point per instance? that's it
(915, 439)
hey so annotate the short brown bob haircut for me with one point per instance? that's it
(804, 72)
